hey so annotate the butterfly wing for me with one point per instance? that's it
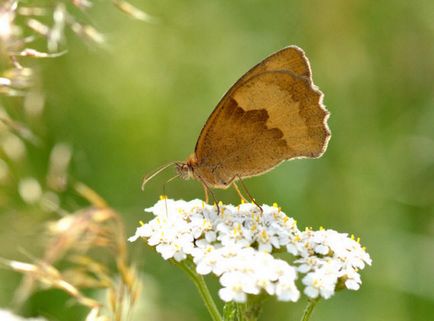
(273, 113)
(291, 58)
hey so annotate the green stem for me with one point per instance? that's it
(252, 308)
(309, 308)
(203, 289)
(230, 312)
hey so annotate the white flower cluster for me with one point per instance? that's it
(328, 258)
(237, 244)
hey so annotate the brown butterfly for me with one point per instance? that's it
(271, 114)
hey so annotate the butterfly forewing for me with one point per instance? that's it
(273, 113)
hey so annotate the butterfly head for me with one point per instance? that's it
(185, 170)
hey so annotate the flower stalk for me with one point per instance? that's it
(309, 308)
(251, 310)
(204, 292)
(230, 312)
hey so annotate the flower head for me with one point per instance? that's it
(239, 243)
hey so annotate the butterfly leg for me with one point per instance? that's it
(237, 189)
(207, 189)
(248, 194)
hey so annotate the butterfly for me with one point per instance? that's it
(273, 113)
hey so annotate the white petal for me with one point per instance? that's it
(311, 292)
(292, 249)
(327, 293)
(304, 268)
(265, 247)
(322, 249)
(287, 292)
(352, 285)
(179, 256)
(211, 236)
(240, 297)
(166, 251)
(226, 294)
(133, 238)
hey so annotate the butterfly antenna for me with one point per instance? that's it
(168, 181)
(164, 191)
(150, 176)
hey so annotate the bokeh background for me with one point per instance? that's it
(141, 100)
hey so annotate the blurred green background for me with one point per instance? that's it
(142, 101)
